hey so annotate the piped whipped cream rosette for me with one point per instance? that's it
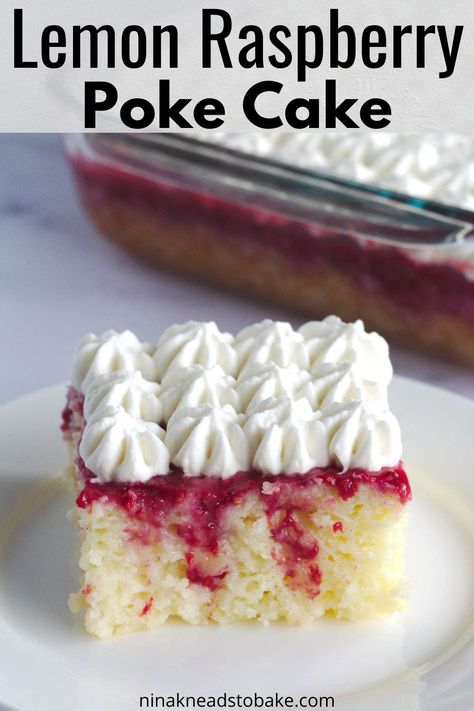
(196, 385)
(120, 447)
(195, 343)
(129, 390)
(270, 341)
(260, 381)
(109, 353)
(208, 440)
(271, 399)
(286, 436)
(330, 383)
(334, 341)
(360, 437)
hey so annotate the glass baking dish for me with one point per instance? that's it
(309, 241)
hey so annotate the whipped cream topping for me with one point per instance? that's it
(273, 341)
(286, 436)
(120, 447)
(341, 382)
(194, 386)
(260, 381)
(326, 383)
(127, 389)
(108, 353)
(195, 343)
(208, 440)
(431, 166)
(273, 399)
(333, 341)
(359, 436)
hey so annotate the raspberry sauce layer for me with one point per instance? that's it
(72, 416)
(199, 507)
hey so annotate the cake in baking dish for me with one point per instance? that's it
(259, 221)
(227, 478)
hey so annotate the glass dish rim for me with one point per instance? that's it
(190, 152)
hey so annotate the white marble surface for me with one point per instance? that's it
(59, 280)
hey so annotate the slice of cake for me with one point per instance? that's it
(226, 478)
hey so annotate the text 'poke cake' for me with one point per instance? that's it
(227, 478)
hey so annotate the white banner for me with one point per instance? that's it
(236, 65)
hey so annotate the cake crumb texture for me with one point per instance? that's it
(136, 576)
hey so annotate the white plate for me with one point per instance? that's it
(418, 660)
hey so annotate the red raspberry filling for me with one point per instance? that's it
(74, 406)
(200, 504)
